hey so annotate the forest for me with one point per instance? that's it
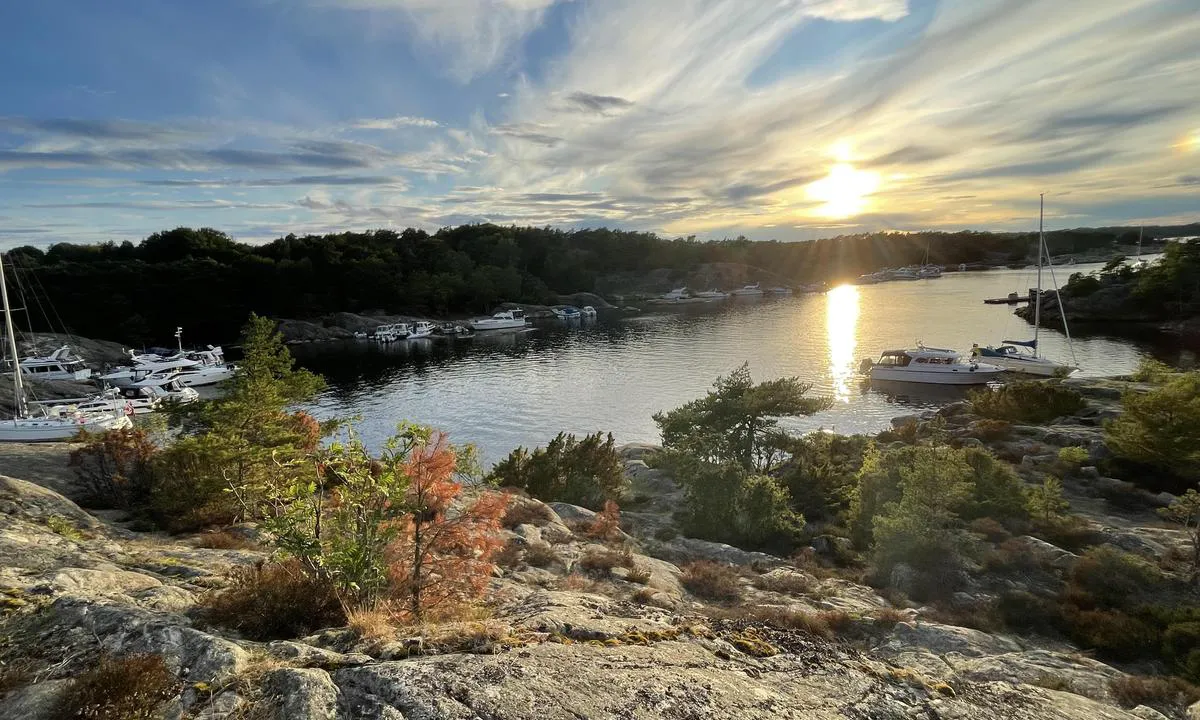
(207, 282)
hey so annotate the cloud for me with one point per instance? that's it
(393, 123)
(528, 132)
(586, 102)
(323, 154)
(849, 10)
(91, 129)
(469, 36)
(280, 182)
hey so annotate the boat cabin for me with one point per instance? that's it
(59, 365)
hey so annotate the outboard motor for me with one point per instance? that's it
(865, 366)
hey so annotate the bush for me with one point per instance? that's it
(274, 601)
(1153, 371)
(601, 562)
(1160, 430)
(666, 533)
(120, 688)
(784, 618)
(584, 472)
(1113, 578)
(638, 574)
(989, 430)
(115, 468)
(606, 526)
(1029, 401)
(1168, 694)
(711, 581)
(1073, 455)
(1047, 505)
(820, 472)
(1112, 633)
(540, 555)
(224, 540)
(1181, 646)
(989, 529)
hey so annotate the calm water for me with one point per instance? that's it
(613, 375)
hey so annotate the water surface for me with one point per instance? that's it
(505, 390)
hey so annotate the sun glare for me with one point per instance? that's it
(841, 326)
(841, 151)
(844, 191)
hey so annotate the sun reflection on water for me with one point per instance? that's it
(841, 324)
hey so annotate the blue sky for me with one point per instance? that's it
(787, 119)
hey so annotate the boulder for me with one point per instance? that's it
(38, 701)
(82, 582)
(1079, 674)
(219, 707)
(945, 639)
(637, 451)
(302, 694)
(903, 420)
(682, 550)
(572, 513)
(34, 502)
(1147, 713)
(1045, 553)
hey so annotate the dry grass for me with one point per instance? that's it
(273, 601)
(712, 581)
(541, 555)
(643, 596)
(578, 582)
(526, 512)
(888, 617)
(601, 562)
(372, 624)
(791, 583)
(126, 688)
(224, 540)
(1166, 693)
(510, 555)
(638, 574)
(819, 624)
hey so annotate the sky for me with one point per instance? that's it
(784, 119)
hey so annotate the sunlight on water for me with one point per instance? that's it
(841, 325)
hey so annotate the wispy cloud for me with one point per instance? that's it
(393, 123)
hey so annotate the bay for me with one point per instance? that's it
(508, 389)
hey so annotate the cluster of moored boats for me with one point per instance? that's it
(911, 272)
(513, 319)
(684, 296)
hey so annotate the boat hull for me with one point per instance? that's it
(953, 376)
(1030, 366)
(55, 429)
(209, 376)
(482, 325)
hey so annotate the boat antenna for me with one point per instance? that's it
(1037, 300)
(179, 339)
(18, 383)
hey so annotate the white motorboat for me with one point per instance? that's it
(421, 330)
(588, 312)
(392, 332)
(27, 427)
(749, 291)
(928, 272)
(905, 273)
(504, 320)
(781, 290)
(711, 295)
(130, 374)
(61, 364)
(1021, 356)
(931, 365)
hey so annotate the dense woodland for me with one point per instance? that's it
(207, 282)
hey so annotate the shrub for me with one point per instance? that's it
(1181, 646)
(820, 471)
(989, 430)
(990, 529)
(888, 617)
(1073, 455)
(1046, 502)
(1161, 430)
(666, 533)
(510, 555)
(274, 601)
(115, 468)
(1186, 512)
(1170, 694)
(1153, 371)
(711, 581)
(1112, 633)
(371, 623)
(607, 524)
(784, 618)
(1026, 402)
(1114, 578)
(120, 688)
(583, 472)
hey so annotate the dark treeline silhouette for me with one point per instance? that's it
(208, 283)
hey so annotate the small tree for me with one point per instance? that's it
(1161, 428)
(1046, 502)
(737, 421)
(1186, 511)
(442, 554)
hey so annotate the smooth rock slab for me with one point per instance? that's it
(302, 694)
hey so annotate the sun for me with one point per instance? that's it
(844, 192)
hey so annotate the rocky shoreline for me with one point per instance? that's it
(563, 642)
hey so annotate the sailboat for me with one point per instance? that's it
(1022, 356)
(26, 427)
(1138, 262)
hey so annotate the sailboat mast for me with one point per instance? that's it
(1037, 300)
(12, 343)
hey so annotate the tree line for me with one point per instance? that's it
(206, 281)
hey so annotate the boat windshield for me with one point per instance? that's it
(895, 359)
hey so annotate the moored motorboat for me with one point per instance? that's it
(588, 312)
(504, 320)
(61, 364)
(392, 332)
(749, 291)
(931, 365)
(421, 330)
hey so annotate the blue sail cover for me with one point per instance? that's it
(1023, 343)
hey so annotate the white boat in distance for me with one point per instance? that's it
(392, 332)
(26, 427)
(61, 364)
(504, 320)
(421, 330)
(931, 365)
(748, 290)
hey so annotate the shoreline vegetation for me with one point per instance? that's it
(205, 281)
(1037, 541)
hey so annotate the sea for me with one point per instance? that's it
(506, 389)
